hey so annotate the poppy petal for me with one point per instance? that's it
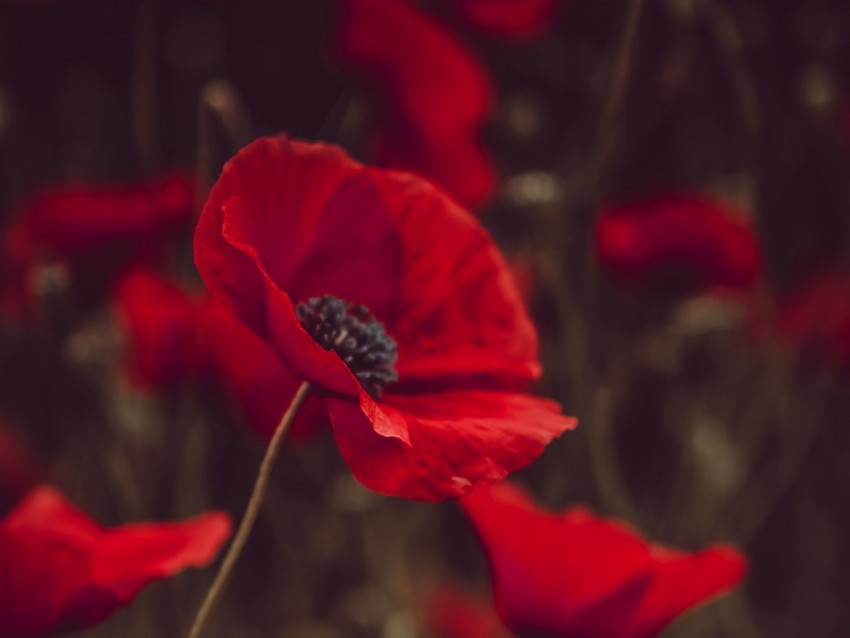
(161, 323)
(272, 192)
(681, 581)
(61, 570)
(461, 311)
(681, 241)
(439, 93)
(576, 574)
(431, 447)
(97, 230)
(517, 19)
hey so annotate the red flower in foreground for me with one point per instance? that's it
(684, 241)
(97, 231)
(573, 574)
(59, 570)
(295, 236)
(161, 326)
(510, 18)
(440, 94)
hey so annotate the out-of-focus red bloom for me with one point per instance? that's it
(454, 612)
(251, 368)
(815, 316)
(96, 231)
(685, 242)
(439, 94)
(59, 570)
(518, 19)
(19, 471)
(294, 233)
(161, 329)
(573, 574)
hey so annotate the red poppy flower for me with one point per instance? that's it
(97, 231)
(815, 316)
(250, 367)
(343, 269)
(440, 94)
(59, 570)
(517, 19)
(161, 328)
(573, 574)
(683, 241)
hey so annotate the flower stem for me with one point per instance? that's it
(145, 129)
(258, 495)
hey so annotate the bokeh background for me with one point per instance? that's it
(701, 421)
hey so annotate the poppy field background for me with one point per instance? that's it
(668, 182)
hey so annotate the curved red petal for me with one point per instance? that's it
(437, 446)
(576, 574)
(678, 240)
(161, 322)
(269, 196)
(61, 570)
(681, 581)
(440, 94)
(461, 313)
(518, 19)
(262, 385)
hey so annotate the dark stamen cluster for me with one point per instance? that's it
(355, 335)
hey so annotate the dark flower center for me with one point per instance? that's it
(355, 335)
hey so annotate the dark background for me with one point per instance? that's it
(692, 430)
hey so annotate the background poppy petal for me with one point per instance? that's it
(61, 570)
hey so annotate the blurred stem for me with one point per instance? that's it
(144, 87)
(579, 275)
(258, 495)
(346, 121)
(220, 104)
(608, 129)
(730, 44)
(768, 487)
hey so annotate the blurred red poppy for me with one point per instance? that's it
(251, 368)
(363, 278)
(516, 19)
(573, 574)
(96, 231)
(814, 316)
(161, 326)
(681, 242)
(60, 571)
(439, 94)
(455, 612)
